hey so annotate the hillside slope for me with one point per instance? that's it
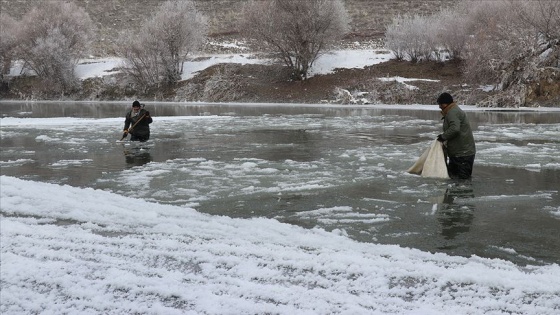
(268, 83)
(368, 18)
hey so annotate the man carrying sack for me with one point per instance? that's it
(457, 138)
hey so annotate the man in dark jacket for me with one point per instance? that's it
(458, 137)
(140, 120)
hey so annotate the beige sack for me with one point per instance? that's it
(431, 163)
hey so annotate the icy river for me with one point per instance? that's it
(337, 168)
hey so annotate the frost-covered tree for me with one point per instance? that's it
(490, 42)
(516, 46)
(298, 31)
(451, 31)
(511, 44)
(8, 42)
(541, 15)
(408, 37)
(418, 38)
(52, 38)
(155, 54)
(504, 32)
(395, 38)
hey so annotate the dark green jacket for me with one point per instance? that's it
(457, 131)
(142, 128)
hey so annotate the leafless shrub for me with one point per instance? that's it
(222, 87)
(52, 38)
(298, 31)
(451, 30)
(141, 60)
(418, 38)
(394, 40)
(411, 38)
(155, 55)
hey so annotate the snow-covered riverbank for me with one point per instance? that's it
(84, 251)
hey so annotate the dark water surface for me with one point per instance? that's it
(336, 168)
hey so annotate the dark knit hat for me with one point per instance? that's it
(445, 98)
(135, 104)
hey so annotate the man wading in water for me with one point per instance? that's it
(458, 137)
(140, 120)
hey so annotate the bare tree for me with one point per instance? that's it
(52, 38)
(541, 15)
(157, 52)
(8, 42)
(498, 38)
(141, 58)
(298, 31)
(511, 44)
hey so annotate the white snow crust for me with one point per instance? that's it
(68, 250)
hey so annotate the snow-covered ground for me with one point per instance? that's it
(327, 63)
(71, 250)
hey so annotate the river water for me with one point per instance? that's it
(337, 168)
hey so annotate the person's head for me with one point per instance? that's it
(444, 99)
(136, 106)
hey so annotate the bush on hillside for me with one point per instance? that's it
(297, 31)
(408, 37)
(155, 54)
(51, 39)
(438, 37)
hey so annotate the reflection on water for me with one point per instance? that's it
(118, 109)
(456, 218)
(137, 157)
(136, 153)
